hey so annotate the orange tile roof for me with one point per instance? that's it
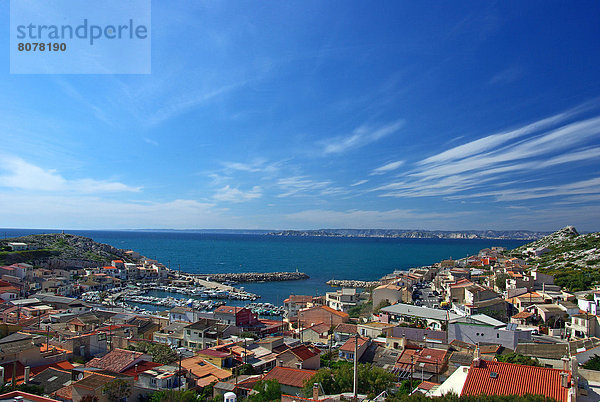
(350, 343)
(288, 376)
(332, 311)
(514, 379)
(303, 352)
(140, 368)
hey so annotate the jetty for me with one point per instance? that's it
(345, 283)
(253, 277)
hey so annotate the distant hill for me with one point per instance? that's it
(568, 249)
(572, 258)
(59, 246)
(417, 234)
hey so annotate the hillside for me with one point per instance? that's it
(416, 234)
(573, 259)
(59, 246)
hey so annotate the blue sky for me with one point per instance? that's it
(312, 114)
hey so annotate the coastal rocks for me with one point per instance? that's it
(256, 277)
(345, 283)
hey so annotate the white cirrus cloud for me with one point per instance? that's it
(359, 137)
(232, 194)
(388, 167)
(300, 184)
(22, 175)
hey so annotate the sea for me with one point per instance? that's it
(322, 258)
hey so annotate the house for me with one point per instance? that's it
(203, 372)
(118, 360)
(204, 333)
(422, 363)
(373, 329)
(52, 379)
(241, 317)
(290, 380)
(321, 314)
(582, 325)
(187, 314)
(343, 332)
(354, 344)
(172, 334)
(92, 384)
(295, 303)
(25, 397)
(15, 246)
(391, 294)
(86, 345)
(315, 333)
(483, 329)
(301, 357)
(162, 378)
(498, 378)
(342, 299)
(406, 312)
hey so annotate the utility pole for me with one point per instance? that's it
(355, 385)
(180, 370)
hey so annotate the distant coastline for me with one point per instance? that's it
(418, 234)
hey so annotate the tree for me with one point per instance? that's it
(173, 396)
(160, 353)
(268, 390)
(501, 281)
(245, 369)
(593, 363)
(382, 304)
(371, 380)
(519, 359)
(116, 390)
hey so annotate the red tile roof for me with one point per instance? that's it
(289, 376)
(349, 345)
(25, 397)
(346, 328)
(140, 368)
(303, 352)
(228, 309)
(117, 360)
(514, 379)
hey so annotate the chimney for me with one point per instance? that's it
(564, 380)
(26, 375)
(565, 362)
(315, 394)
(477, 356)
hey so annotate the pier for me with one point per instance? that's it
(345, 283)
(252, 277)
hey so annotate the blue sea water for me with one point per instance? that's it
(322, 258)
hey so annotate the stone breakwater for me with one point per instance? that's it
(345, 283)
(255, 277)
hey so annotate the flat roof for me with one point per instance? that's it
(419, 311)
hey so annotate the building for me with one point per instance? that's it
(300, 357)
(497, 378)
(315, 333)
(354, 344)
(392, 294)
(241, 317)
(321, 314)
(483, 329)
(295, 303)
(342, 299)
